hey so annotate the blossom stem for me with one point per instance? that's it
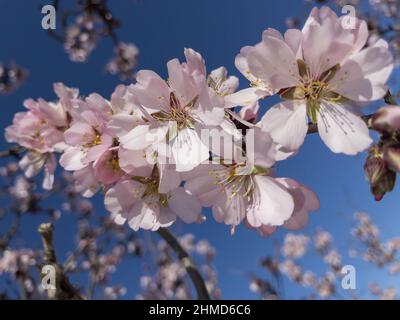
(194, 274)
(12, 152)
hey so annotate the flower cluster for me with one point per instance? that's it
(164, 148)
(376, 251)
(146, 148)
(11, 77)
(124, 61)
(81, 37)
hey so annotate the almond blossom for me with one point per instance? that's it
(139, 202)
(40, 131)
(140, 145)
(177, 109)
(322, 72)
(246, 189)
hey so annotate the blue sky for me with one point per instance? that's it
(217, 29)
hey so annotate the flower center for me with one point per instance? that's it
(313, 89)
(95, 142)
(238, 179)
(151, 188)
(177, 113)
(114, 161)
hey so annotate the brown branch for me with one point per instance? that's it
(183, 256)
(12, 152)
(4, 241)
(64, 290)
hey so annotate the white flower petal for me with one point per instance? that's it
(287, 123)
(341, 130)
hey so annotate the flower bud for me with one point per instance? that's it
(385, 184)
(386, 120)
(379, 175)
(374, 168)
(391, 156)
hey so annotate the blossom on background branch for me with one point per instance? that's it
(93, 20)
(11, 77)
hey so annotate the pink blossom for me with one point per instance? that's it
(320, 72)
(139, 202)
(180, 107)
(295, 246)
(87, 136)
(247, 190)
(40, 130)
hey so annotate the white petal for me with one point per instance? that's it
(363, 76)
(341, 130)
(49, 168)
(229, 209)
(186, 206)
(245, 97)
(169, 178)
(273, 205)
(274, 62)
(188, 150)
(287, 123)
(71, 159)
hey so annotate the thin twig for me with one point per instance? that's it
(183, 256)
(12, 152)
(4, 241)
(64, 289)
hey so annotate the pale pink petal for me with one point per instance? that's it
(273, 205)
(169, 178)
(131, 160)
(229, 209)
(194, 62)
(188, 150)
(260, 148)
(79, 133)
(71, 159)
(49, 169)
(185, 205)
(86, 182)
(363, 76)
(341, 130)
(245, 97)
(274, 62)
(105, 171)
(122, 197)
(31, 163)
(151, 91)
(287, 123)
(250, 112)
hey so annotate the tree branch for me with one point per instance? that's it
(10, 233)
(12, 152)
(64, 289)
(183, 256)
